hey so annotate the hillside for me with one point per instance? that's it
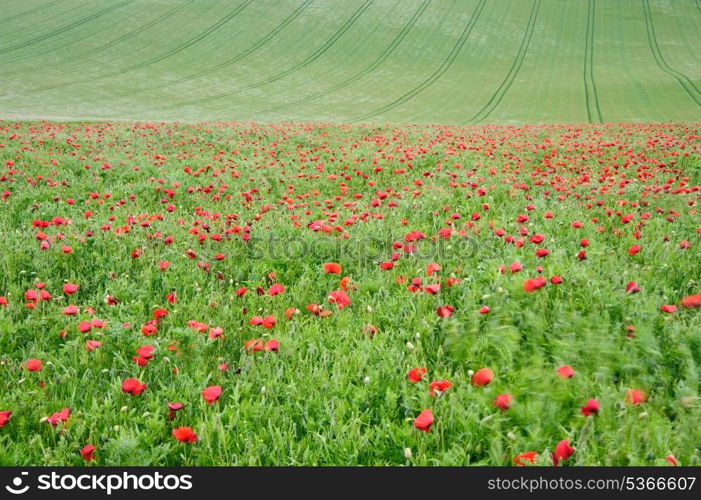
(447, 61)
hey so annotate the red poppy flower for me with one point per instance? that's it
(563, 451)
(254, 345)
(88, 453)
(4, 417)
(211, 394)
(565, 371)
(439, 386)
(70, 310)
(59, 416)
(276, 289)
(332, 268)
(133, 386)
(634, 249)
(91, 345)
(671, 459)
(692, 301)
(503, 401)
(590, 408)
(34, 365)
(149, 328)
(632, 287)
(340, 298)
(267, 322)
(185, 435)
(416, 375)
(314, 309)
(31, 295)
(433, 289)
(344, 283)
(484, 310)
(160, 313)
(482, 377)
(533, 284)
(432, 268)
(445, 311)
(272, 345)
(172, 408)
(668, 308)
(635, 397)
(70, 288)
(424, 421)
(515, 267)
(556, 280)
(527, 458)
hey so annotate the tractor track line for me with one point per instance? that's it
(27, 56)
(233, 60)
(192, 41)
(63, 29)
(590, 94)
(444, 67)
(375, 64)
(683, 80)
(314, 56)
(95, 50)
(498, 95)
(202, 35)
(29, 11)
(139, 30)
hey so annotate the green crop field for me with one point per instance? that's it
(350, 232)
(440, 61)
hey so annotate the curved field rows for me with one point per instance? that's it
(426, 61)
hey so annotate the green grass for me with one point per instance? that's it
(333, 395)
(440, 61)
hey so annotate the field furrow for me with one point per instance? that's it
(454, 61)
(688, 86)
(445, 66)
(503, 88)
(592, 100)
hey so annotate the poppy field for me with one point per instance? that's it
(389, 61)
(317, 294)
